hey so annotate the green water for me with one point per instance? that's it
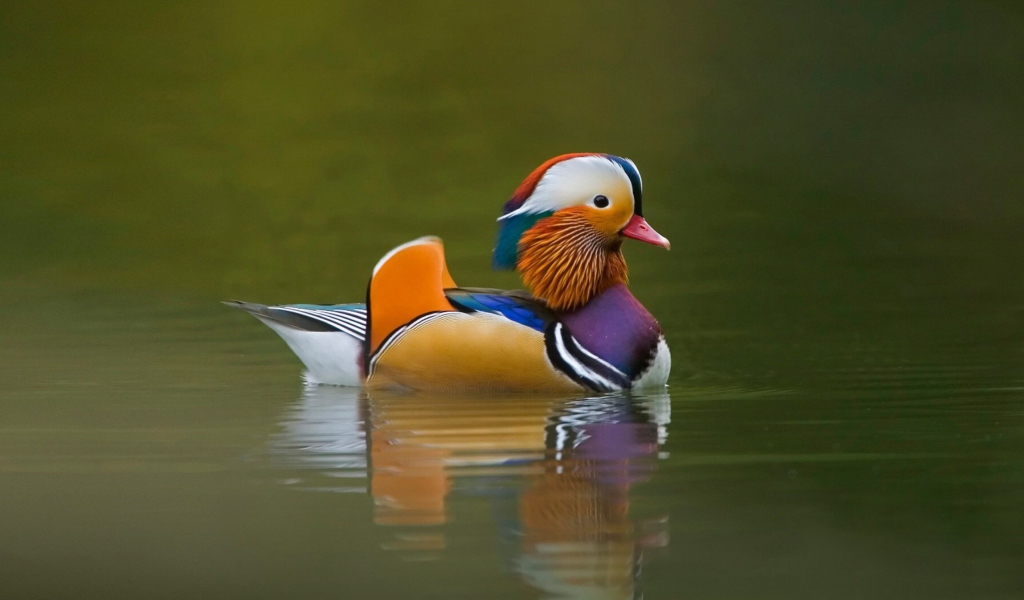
(844, 299)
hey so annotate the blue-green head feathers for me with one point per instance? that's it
(506, 252)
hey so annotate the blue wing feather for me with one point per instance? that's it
(524, 310)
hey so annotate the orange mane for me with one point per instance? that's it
(565, 261)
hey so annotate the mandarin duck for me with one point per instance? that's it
(581, 330)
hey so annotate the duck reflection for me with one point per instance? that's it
(558, 472)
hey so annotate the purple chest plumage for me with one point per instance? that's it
(617, 328)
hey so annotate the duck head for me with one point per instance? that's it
(564, 226)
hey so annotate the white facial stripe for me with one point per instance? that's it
(573, 182)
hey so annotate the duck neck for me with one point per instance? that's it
(566, 262)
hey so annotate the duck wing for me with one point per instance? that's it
(516, 305)
(346, 318)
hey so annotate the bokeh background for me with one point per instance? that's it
(842, 182)
(277, 149)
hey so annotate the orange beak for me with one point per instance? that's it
(638, 229)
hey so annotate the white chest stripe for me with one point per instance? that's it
(599, 360)
(581, 371)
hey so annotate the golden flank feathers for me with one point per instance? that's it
(459, 352)
(566, 260)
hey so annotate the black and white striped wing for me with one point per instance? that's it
(351, 320)
(346, 318)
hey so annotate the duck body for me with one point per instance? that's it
(581, 331)
(489, 340)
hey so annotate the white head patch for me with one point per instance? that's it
(572, 182)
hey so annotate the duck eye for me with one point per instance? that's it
(601, 202)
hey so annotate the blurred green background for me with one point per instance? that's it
(275, 150)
